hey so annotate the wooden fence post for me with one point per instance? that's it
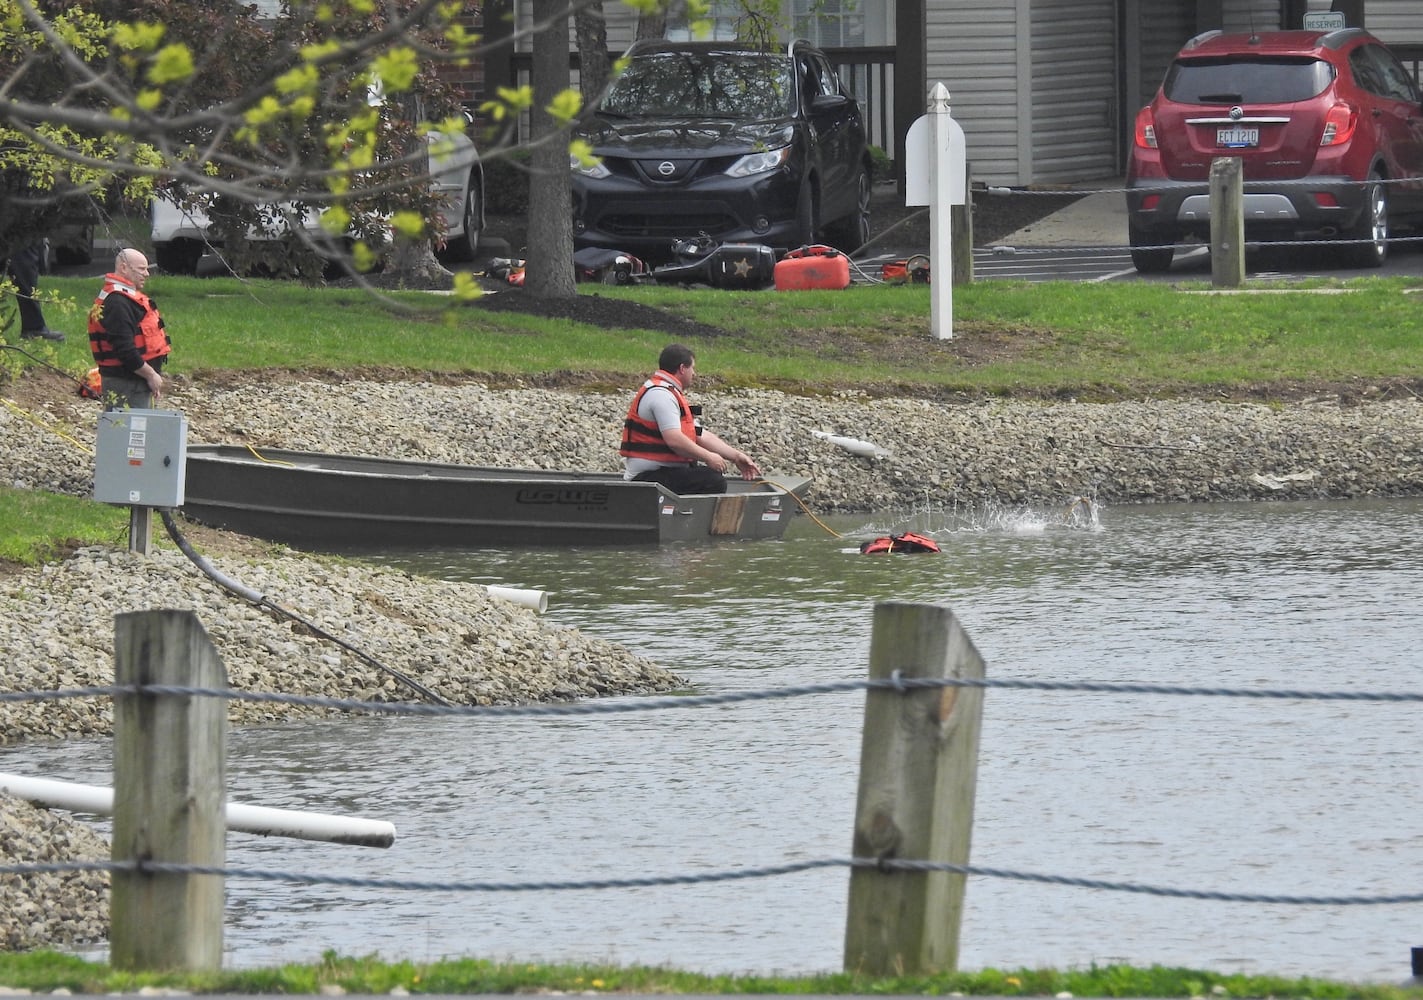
(169, 791)
(1227, 203)
(918, 769)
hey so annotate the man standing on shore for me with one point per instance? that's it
(25, 268)
(127, 337)
(663, 440)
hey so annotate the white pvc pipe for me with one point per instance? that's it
(261, 820)
(535, 599)
(854, 446)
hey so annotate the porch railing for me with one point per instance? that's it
(1412, 58)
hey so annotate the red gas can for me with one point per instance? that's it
(813, 267)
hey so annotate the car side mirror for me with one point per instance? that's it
(828, 102)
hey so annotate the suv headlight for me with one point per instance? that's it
(759, 163)
(594, 170)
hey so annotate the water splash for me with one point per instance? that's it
(1078, 513)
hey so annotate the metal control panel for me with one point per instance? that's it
(141, 459)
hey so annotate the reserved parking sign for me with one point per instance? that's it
(1324, 20)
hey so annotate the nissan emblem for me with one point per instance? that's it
(666, 168)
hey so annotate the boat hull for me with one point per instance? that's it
(352, 503)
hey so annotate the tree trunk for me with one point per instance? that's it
(549, 272)
(653, 24)
(414, 261)
(416, 264)
(593, 66)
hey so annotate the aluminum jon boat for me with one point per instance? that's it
(351, 503)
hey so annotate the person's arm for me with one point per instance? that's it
(709, 441)
(705, 447)
(690, 448)
(150, 375)
(659, 406)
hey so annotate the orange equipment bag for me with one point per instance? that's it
(89, 386)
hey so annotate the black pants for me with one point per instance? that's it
(683, 479)
(24, 267)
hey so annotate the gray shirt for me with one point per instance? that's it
(658, 405)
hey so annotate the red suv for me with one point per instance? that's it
(1328, 126)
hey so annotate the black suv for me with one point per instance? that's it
(723, 140)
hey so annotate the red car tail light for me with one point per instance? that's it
(1325, 200)
(1149, 203)
(1339, 125)
(1145, 129)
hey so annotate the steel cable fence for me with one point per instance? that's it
(895, 683)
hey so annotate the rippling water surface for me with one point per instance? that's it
(1215, 794)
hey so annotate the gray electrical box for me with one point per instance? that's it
(142, 458)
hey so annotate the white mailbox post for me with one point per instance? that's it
(936, 174)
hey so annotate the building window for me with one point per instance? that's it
(824, 23)
(831, 24)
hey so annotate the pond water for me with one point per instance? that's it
(1297, 797)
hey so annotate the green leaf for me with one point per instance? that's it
(396, 69)
(138, 37)
(408, 224)
(565, 106)
(336, 220)
(580, 150)
(172, 64)
(466, 289)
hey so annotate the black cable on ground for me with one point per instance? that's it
(262, 601)
(40, 361)
(246, 592)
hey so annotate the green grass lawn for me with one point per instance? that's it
(1104, 340)
(49, 971)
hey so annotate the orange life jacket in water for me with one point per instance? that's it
(905, 541)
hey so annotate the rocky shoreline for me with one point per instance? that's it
(950, 452)
(58, 621)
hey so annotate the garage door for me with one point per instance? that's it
(1075, 105)
(1164, 29)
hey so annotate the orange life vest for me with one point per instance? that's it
(904, 541)
(151, 341)
(643, 438)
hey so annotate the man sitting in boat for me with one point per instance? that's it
(663, 440)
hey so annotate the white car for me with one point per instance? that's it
(181, 236)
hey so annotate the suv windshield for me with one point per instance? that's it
(719, 85)
(1235, 80)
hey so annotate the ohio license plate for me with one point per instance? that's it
(1237, 137)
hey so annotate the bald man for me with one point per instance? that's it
(127, 336)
